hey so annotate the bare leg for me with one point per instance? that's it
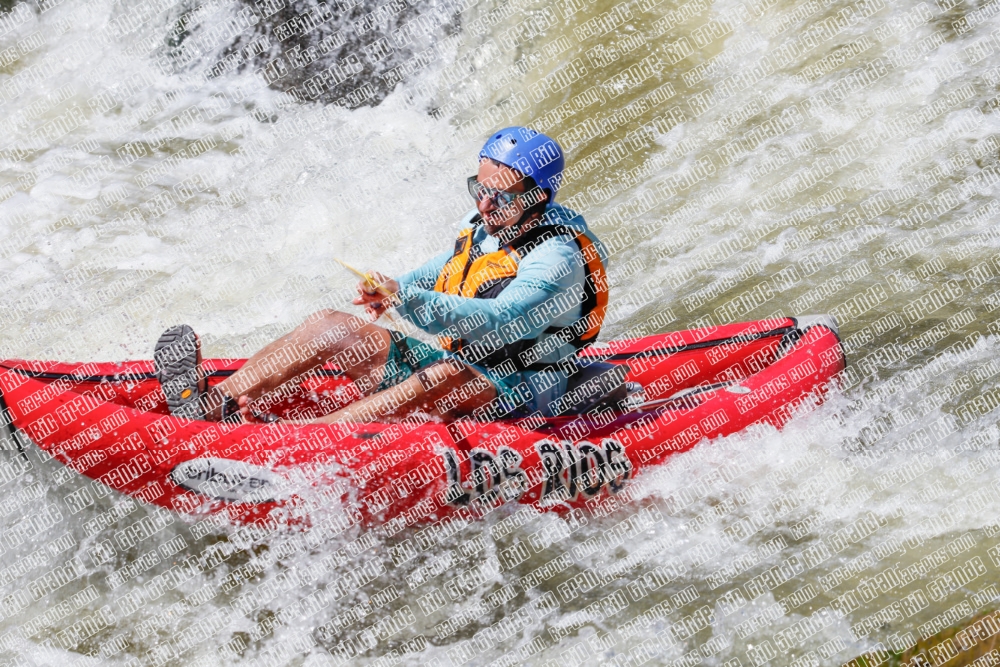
(359, 348)
(446, 389)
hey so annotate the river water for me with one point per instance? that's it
(762, 157)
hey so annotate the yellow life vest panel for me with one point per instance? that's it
(476, 275)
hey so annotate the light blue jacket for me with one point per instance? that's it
(547, 277)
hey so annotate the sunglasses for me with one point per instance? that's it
(499, 198)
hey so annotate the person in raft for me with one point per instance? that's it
(523, 288)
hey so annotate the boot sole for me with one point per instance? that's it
(176, 361)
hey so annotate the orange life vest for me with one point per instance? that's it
(472, 274)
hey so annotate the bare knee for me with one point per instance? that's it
(319, 315)
(323, 330)
(326, 317)
(325, 320)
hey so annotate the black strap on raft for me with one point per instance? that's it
(14, 435)
(131, 376)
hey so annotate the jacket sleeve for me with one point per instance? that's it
(547, 291)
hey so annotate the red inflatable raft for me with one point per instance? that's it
(108, 421)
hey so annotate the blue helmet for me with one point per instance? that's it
(530, 152)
